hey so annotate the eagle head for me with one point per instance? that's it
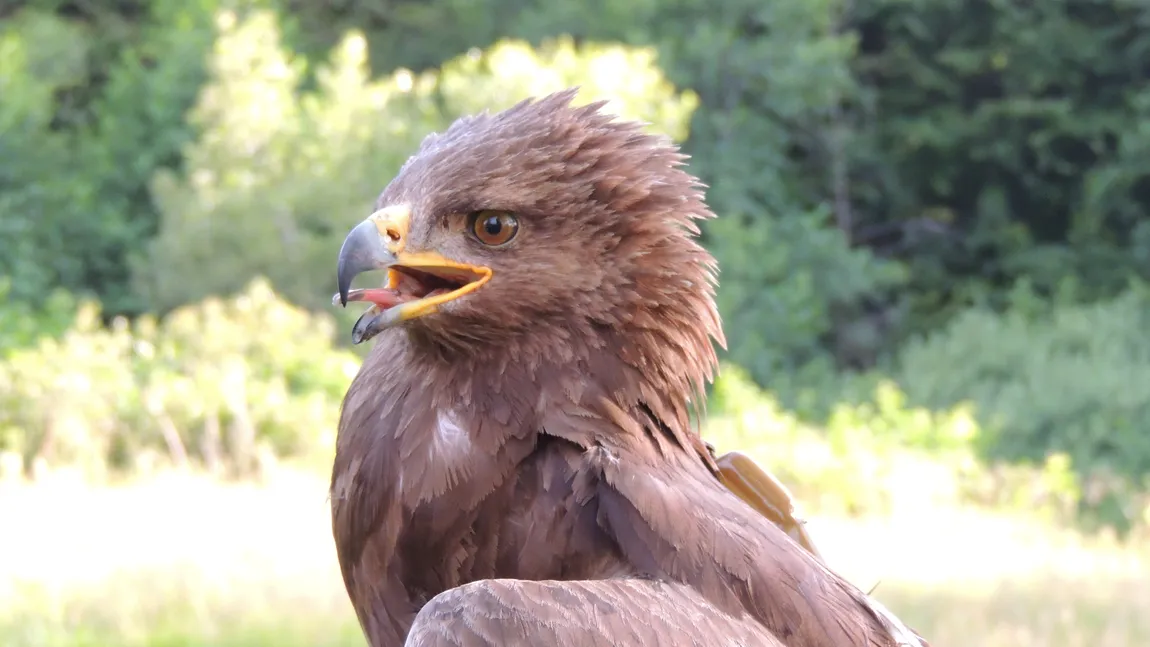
(541, 226)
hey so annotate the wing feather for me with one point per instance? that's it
(736, 557)
(592, 613)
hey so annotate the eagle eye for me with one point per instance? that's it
(493, 228)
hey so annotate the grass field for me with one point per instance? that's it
(184, 561)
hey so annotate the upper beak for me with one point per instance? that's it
(380, 242)
(365, 248)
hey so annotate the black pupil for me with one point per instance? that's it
(493, 225)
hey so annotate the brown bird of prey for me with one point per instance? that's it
(516, 461)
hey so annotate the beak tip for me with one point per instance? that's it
(361, 251)
(343, 284)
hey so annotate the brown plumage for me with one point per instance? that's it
(516, 463)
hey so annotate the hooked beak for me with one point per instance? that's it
(418, 283)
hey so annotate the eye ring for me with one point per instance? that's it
(493, 228)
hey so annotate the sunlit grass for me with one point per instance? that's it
(186, 561)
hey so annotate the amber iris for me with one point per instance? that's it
(494, 228)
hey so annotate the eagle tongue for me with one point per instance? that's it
(381, 300)
(384, 298)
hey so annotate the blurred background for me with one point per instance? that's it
(933, 238)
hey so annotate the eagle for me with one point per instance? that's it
(518, 460)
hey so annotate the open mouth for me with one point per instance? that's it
(405, 285)
(419, 282)
(411, 293)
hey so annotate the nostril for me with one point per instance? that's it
(393, 234)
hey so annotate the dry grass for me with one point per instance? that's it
(183, 561)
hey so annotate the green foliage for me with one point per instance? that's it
(1069, 379)
(1009, 141)
(91, 109)
(782, 284)
(39, 57)
(772, 139)
(882, 455)
(138, 126)
(627, 77)
(273, 184)
(22, 325)
(221, 384)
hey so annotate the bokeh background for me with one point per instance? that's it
(933, 237)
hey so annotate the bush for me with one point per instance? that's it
(22, 324)
(222, 383)
(277, 178)
(882, 455)
(1072, 379)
